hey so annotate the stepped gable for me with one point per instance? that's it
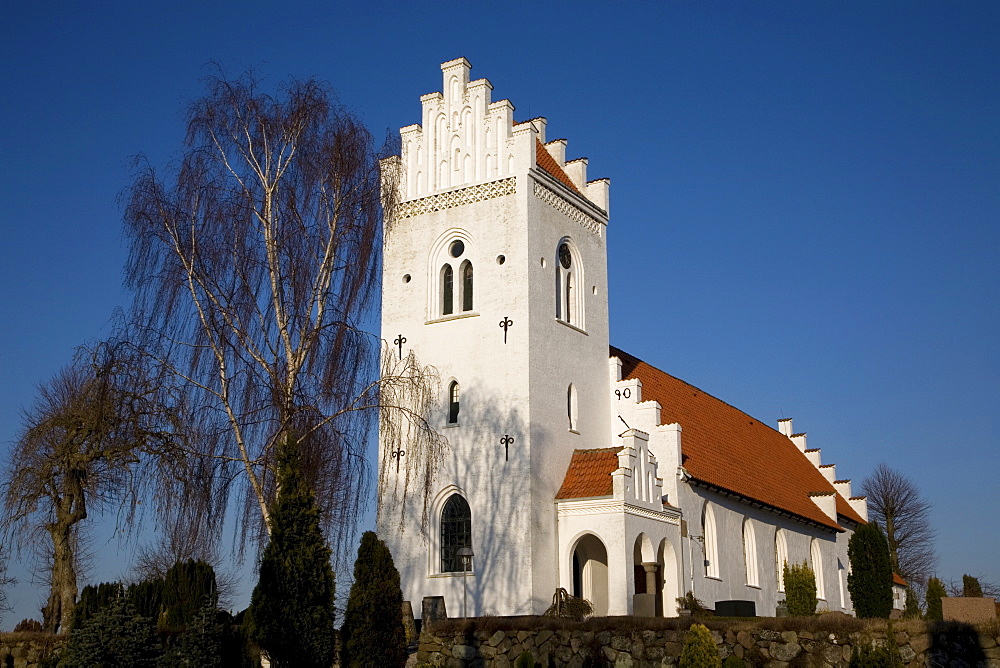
(545, 161)
(589, 474)
(725, 448)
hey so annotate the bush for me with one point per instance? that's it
(114, 636)
(28, 626)
(870, 579)
(699, 649)
(94, 599)
(733, 661)
(373, 631)
(690, 602)
(869, 655)
(200, 644)
(568, 607)
(291, 610)
(912, 608)
(971, 587)
(525, 660)
(800, 590)
(935, 590)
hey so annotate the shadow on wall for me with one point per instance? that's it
(495, 476)
(955, 644)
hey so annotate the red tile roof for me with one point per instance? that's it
(897, 580)
(589, 474)
(545, 160)
(725, 448)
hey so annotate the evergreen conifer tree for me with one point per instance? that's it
(114, 636)
(935, 591)
(291, 612)
(912, 608)
(870, 579)
(971, 587)
(188, 587)
(373, 633)
(699, 649)
(800, 590)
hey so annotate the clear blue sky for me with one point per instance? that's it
(805, 216)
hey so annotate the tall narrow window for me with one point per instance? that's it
(466, 271)
(571, 406)
(456, 533)
(711, 544)
(750, 553)
(817, 565)
(447, 290)
(453, 402)
(569, 277)
(780, 557)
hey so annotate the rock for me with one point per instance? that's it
(563, 653)
(739, 650)
(621, 643)
(807, 634)
(674, 649)
(745, 639)
(464, 652)
(638, 649)
(624, 660)
(543, 636)
(501, 662)
(986, 642)
(649, 637)
(521, 635)
(901, 638)
(906, 653)
(769, 636)
(786, 651)
(920, 643)
(496, 638)
(609, 653)
(717, 637)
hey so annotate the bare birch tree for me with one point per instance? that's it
(895, 502)
(255, 266)
(84, 448)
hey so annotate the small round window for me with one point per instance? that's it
(457, 248)
(564, 257)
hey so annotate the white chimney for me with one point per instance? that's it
(785, 427)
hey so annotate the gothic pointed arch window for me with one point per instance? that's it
(711, 543)
(453, 402)
(456, 532)
(569, 277)
(447, 290)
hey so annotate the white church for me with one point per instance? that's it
(570, 463)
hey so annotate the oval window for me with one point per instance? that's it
(457, 248)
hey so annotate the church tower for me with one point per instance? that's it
(495, 274)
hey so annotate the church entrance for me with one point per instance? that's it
(668, 590)
(590, 572)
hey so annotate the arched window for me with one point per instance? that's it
(456, 533)
(466, 286)
(569, 302)
(453, 391)
(447, 290)
(816, 557)
(780, 557)
(455, 280)
(750, 553)
(571, 406)
(840, 583)
(711, 544)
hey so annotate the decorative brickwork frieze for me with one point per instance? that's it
(560, 203)
(453, 198)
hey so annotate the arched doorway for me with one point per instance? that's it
(590, 572)
(668, 592)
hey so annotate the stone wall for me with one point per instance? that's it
(919, 645)
(28, 650)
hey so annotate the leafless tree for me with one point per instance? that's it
(179, 544)
(255, 266)
(5, 581)
(895, 502)
(83, 449)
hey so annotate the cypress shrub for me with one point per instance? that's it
(699, 649)
(291, 614)
(733, 661)
(935, 590)
(912, 608)
(971, 587)
(373, 633)
(870, 579)
(146, 598)
(800, 590)
(93, 599)
(188, 587)
(200, 644)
